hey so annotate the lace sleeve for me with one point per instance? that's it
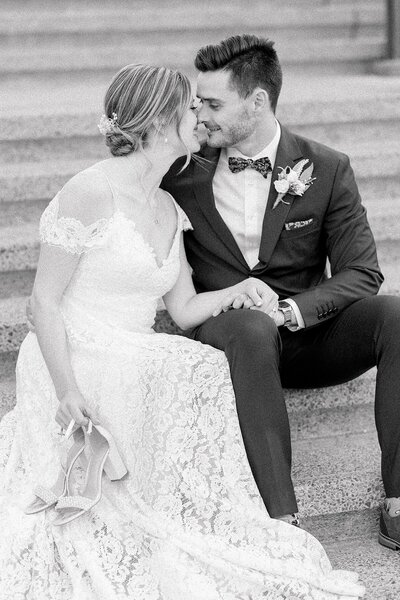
(70, 233)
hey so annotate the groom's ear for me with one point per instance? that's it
(261, 100)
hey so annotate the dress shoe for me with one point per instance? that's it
(389, 534)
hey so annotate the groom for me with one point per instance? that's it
(272, 205)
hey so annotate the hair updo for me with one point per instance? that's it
(141, 95)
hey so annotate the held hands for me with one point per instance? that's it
(73, 407)
(254, 294)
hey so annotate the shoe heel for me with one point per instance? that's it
(114, 466)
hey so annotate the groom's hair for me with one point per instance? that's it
(252, 62)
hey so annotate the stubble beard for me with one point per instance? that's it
(235, 134)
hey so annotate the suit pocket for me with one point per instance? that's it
(300, 228)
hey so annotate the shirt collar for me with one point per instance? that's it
(270, 150)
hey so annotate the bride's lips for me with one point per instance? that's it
(201, 134)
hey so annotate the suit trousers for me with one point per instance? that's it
(263, 360)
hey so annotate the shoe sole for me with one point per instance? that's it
(384, 540)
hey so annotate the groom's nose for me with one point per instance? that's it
(202, 113)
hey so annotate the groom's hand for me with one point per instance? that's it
(268, 298)
(251, 293)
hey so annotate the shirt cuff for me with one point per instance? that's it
(299, 318)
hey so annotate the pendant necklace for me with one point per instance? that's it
(154, 216)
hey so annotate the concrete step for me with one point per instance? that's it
(40, 106)
(377, 567)
(38, 180)
(344, 137)
(13, 327)
(19, 247)
(92, 19)
(67, 8)
(346, 526)
(7, 397)
(16, 283)
(389, 253)
(350, 539)
(179, 53)
(337, 474)
(20, 213)
(66, 148)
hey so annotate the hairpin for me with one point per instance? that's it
(107, 124)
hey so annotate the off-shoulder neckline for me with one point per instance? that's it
(120, 213)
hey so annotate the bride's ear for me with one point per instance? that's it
(160, 129)
(159, 125)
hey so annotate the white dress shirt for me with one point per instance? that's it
(241, 200)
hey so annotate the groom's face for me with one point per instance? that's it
(229, 119)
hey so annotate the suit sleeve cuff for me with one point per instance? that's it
(299, 318)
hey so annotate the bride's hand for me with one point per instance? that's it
(73, 407)
(250, 293)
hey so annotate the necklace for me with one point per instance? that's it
(154, 210)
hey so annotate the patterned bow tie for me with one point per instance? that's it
(262, 165)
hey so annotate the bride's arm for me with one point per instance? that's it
(55, 269)
(189, 309)
(80, 202)
(54, 272)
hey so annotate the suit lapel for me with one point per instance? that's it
(203, 174)
(287, 155)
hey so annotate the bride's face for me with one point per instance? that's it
(188, 131)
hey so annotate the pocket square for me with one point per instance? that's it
(297, 224)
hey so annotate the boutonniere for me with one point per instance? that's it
(293, 181)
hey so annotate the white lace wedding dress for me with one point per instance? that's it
(187, 522)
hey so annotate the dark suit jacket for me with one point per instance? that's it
(292, 260)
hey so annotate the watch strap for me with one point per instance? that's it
(287, 311)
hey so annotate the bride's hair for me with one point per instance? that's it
(141, 98)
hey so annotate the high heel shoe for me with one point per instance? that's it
(103, 456)
(47, 497)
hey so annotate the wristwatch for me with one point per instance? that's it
(287, 311)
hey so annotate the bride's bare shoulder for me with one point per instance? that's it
(169, 205)
(86, 196)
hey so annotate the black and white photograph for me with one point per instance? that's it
(199, 300)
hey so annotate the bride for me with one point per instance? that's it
(186, 522)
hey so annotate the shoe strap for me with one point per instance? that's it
(45, 494)
(80, 502)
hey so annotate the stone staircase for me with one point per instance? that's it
(64, 37)
(57, 60)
